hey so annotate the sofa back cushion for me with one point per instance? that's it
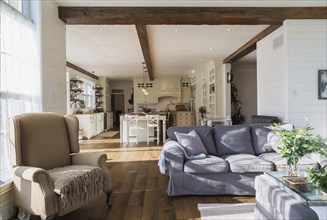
(234, 139)
(259, 133)
(204, 132)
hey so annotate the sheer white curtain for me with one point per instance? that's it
(20, 86)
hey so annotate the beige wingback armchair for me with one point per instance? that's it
(51, 177)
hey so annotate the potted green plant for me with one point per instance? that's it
(238, 116)
(318, 179)
(203, 111)
(295, 143)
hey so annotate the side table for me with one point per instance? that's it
(274, 200)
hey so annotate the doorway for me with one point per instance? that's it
(117, 106)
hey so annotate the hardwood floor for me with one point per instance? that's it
(139, 189)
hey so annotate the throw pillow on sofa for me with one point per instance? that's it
(234, 139)
(204, 132)
(191, 142)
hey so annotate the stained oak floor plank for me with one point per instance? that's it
(139, 189)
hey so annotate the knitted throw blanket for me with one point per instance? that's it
(77, 183)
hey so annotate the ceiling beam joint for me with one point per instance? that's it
(250, 46)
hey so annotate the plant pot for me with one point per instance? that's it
(298, 183)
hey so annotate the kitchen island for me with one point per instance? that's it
(141, 130)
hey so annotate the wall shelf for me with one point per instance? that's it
(75, 93)
(98, 98)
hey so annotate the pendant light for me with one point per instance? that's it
(144, 90)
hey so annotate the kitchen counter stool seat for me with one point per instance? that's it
(153, 122)
(132, 127)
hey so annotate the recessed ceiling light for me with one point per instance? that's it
(176, 29)
(171, 48)
(101, 29)
(228, 29)
(210, 48)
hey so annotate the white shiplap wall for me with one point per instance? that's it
(271, 78)
(306, 54)
(53, 53)
(288, 76)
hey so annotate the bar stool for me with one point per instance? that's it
(152, 121)
(132, 125)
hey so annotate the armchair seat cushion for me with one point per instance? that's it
(210, 164)
(77, 183)
(247, 163)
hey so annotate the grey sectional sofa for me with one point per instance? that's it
(236, 155)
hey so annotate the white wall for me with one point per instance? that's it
(271, 79)
(245, 79)
(306, 54)
(289, 87)
(53, 59)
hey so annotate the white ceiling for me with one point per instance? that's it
(115, 51)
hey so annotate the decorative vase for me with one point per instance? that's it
(293, 170)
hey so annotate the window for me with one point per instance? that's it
(88, 94)
(17, 4)
(19, 75)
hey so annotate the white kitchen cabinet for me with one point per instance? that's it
(91, 124)
(110, 120)
(169, 87)
(140, 97)
(186, 90)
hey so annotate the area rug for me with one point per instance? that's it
(222, 211)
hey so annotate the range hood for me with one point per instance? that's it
(177, 95)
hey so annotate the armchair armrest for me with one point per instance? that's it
(32, 174)
(173, 155)
(319, 159)
(41, 187)
(93, 159)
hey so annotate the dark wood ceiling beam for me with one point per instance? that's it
(79, 69)
(250, 46)
(143, 38)
(188, 15)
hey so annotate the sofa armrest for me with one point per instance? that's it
(319, 159)
(173, 155)
(41, 187)
(93, 159)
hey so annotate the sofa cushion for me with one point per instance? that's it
(191, 142)
(303, 163)
(210, 164)
(233, 140)
(245, 163)
(259, 135)
(204, 132)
